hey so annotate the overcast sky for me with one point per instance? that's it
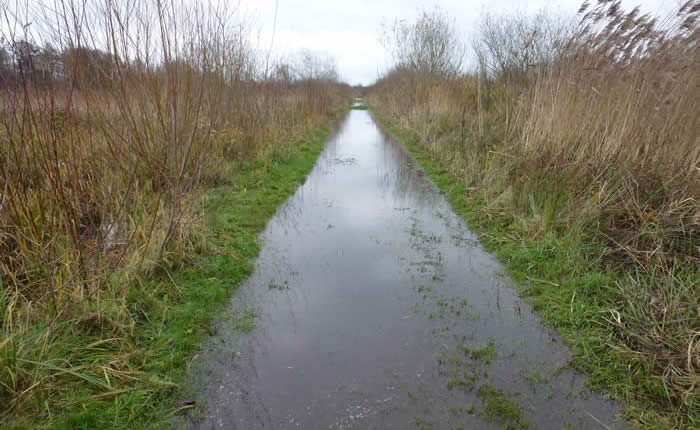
(348, 30)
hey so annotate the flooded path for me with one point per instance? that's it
(377, 308)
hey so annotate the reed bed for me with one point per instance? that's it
(587, 130)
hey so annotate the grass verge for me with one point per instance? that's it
(175, 308)
(598, 311)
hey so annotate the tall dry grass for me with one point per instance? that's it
(589, 127)
(101, 170)
(619, 109)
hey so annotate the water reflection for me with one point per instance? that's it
(378, 308)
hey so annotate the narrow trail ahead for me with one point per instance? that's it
(378, 309)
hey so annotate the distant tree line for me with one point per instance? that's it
(24, 61)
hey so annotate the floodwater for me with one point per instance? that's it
(377, 308)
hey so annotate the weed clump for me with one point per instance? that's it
(500, 408)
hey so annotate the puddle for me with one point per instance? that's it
(377, 308)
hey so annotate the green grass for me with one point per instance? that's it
(561, 274)
(486, 353)
(176, 310)
(499, 408)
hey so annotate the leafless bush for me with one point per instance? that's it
(147, 91)
(310, 67)
(507, 46)
(430, 45)
(106, 138)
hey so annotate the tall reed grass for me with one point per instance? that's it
(591, 127)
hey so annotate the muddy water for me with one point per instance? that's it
(377, 308)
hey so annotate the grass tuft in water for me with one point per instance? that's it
(498, 408)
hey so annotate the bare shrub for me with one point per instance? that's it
(507, 46)
(107, 138)
(430, 45)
